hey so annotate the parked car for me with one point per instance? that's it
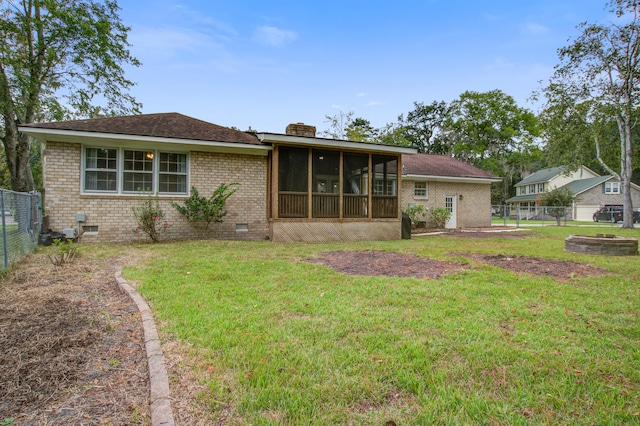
(613, 214)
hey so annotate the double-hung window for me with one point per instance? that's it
(100, 170)
(420, 189)
(128, 171)
(612, 187)
(138, 173)
(172, 176)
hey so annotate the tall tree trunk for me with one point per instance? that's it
(626, 153)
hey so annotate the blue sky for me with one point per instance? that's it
(265, 64)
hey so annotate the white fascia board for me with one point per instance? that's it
(334, 143)
(455, 179)
(93, 138)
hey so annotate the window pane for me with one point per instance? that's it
(173, 183)
(173, 163)
(138, 161)
(100, 181)
(420, 189)
(137, 182)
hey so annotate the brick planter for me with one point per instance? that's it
(608, 244)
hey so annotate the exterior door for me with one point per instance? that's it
(450, 204)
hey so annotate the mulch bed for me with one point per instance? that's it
(560, 269)
(71, 346)
(385, 263)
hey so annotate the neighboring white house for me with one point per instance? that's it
(591, 191)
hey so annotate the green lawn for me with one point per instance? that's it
(291, 342)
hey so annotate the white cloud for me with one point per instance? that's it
(372, 103)
(533, 28)
(336, 106)
(361, 94)
(169, 41)
(272, 36)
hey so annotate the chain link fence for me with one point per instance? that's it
(21, 224)
(508, 215)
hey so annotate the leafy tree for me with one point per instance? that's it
(360, 129)
(206, 210)
(597, 82)
(58, 58)
(338, 125)
(422, 127)
(490, 131)
(556, 202)
(393, 134)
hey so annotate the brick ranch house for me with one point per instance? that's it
(293, 186)
(442, 181)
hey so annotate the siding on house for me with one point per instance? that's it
(113, 215)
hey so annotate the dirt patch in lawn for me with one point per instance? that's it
(560, 269)
(390, 264)
(71, 346)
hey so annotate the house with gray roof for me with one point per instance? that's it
(591, 191)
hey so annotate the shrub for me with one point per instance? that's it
(206, 210)
(415, 213)
(150, 218)
(439, 216)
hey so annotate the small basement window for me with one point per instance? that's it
(90, 229)
(242, 227)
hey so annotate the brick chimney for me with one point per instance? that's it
(301, 129)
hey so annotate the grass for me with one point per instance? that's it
(283, 341)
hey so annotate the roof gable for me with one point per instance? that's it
(540, 176)
(442, 166)
(165, 125)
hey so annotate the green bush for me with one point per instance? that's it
(415, 213)
(150, 218)
(197, 208)
(439, 216)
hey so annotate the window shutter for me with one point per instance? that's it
(603, 187)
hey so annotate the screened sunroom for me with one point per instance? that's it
(328, 189)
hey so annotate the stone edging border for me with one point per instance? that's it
(161, 412)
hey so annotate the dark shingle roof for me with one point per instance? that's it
(165, 125)
(440, 165)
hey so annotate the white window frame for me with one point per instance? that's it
(541, 187)
(420, 192)
(86, 169)
(532, 188)
(523, 190)
(612, 187)
(120, 171)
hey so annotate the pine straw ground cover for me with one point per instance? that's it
(71, 346)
